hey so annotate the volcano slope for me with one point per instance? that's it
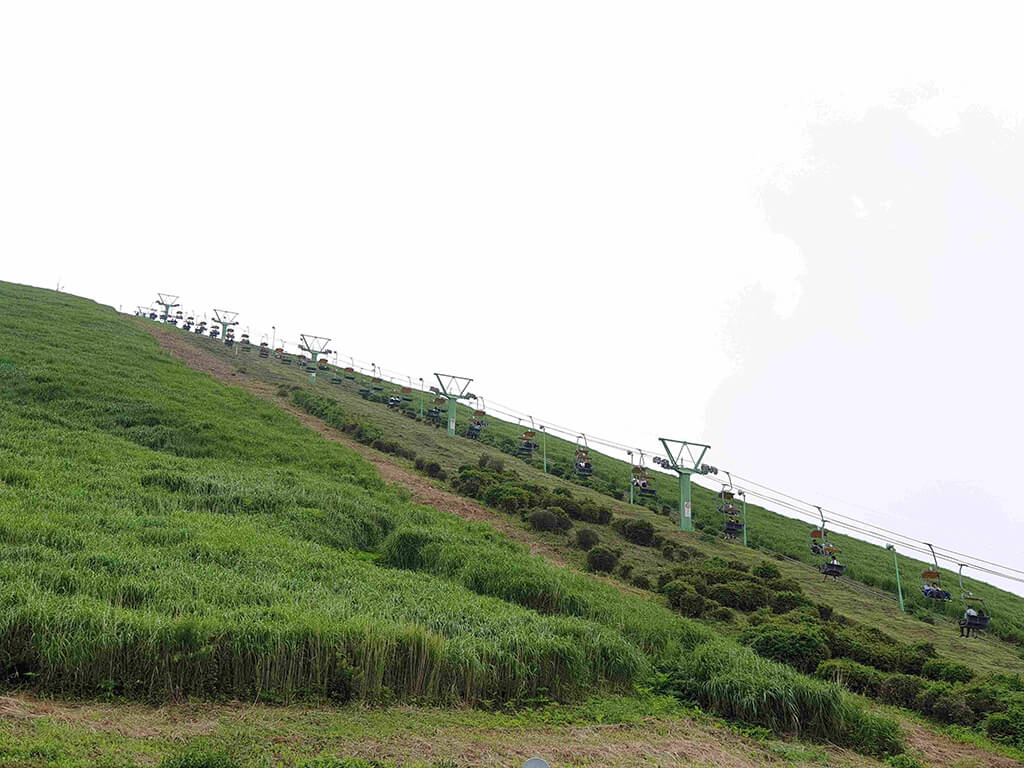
(167, 537)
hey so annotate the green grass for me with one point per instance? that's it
(867, 562)
(612, 731)
(164, 535)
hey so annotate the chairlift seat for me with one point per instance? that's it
(834, 570)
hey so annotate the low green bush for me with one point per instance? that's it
(506, 497)
(800, 646)
(719, 613)
(601, 560)
(587, 538)
(684, 598)
(784, 602)
(550, 519)
(767, 571)
(1008, 726)
(851, 675)
(742, 595)
(901, 690)
(950, 671)
(639, 532)
(641, 581)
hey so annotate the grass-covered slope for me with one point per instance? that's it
(867, 563)
(163, 534)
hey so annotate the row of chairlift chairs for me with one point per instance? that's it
(975, 617)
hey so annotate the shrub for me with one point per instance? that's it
(742, 595)
(432, 468)
(800, 646)
(863, 644)
(767, 571)
(420, 464)
(784, 585)
(497, 464)
(601, 560)
(640, 581)
(720, 613)
(587, 538)
(900, 690)
(950, 671)
(910, 659)
(951, 707)
(471, 482)
(482, 461)
(684, 598)
(626, 570)
(506, 497)
(856, 677)
(638, 532)
(930, 692)
(784, 602)
(1007, 726)
(550, 519)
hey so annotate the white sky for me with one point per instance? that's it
(788, 232)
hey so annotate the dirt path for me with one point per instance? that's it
(419, 487)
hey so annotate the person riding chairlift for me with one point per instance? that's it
(968, 615)
(833, 562)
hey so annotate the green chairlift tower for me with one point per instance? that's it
(225, 319)
(316, 346)
(685, 458)
(453, 389)
(168, 302)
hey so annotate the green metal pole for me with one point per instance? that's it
(899, 587)
(631, 478)
(451, 416)
(421, 398)
(544, 440)
(685, 507)
(744, 519)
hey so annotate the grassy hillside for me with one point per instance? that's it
(784, 611)
(165, 535)
(867, 563)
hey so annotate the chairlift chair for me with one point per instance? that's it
(981, 620)
(931, 581)
(350, 373)
(321, 364)
(406, 394)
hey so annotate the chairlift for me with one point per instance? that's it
(350, 372)
(406, 394)
(931, 581)
(584, 467)
(528, 443)
(377, 383)
(321, 364)
(976, 616)
(641, 480)
(394, 402)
